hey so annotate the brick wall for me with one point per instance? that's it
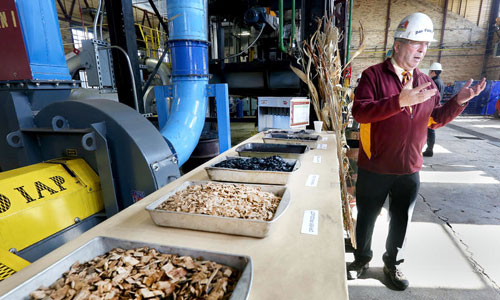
(493, 63)
(464, 41)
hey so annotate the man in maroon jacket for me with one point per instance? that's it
(395, 103)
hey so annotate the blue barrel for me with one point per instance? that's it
(494, 96)
(239, 108)
(189, 58)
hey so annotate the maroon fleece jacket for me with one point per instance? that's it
(392, 138)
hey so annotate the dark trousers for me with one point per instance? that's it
(431, 139)
(371, 191)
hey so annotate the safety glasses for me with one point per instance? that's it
(417, 44)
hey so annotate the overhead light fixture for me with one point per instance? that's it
(244, 33)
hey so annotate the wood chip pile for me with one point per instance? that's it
(142, 273)
(225, 200)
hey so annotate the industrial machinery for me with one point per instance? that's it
(68, 164)
(69, 159)
(283, 112)
(253, 43)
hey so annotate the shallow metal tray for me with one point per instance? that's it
(100, 245)
(265, 150)
(250, 176)
(290, 131)
(292, 139)
(254, 228)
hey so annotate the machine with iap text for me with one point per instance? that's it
(69, 162)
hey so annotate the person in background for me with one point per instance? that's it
(434, 73)
(358, 78)
(395, 103)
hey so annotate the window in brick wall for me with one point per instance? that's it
(78, 36)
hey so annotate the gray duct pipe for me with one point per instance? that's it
(74, 63)
(86, 94)
(163, 71)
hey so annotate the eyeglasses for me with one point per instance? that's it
(417, 44)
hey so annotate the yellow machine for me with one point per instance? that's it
(40, 200)
(10, 264)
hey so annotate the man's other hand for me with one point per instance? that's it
(410, 96)
(468, 92)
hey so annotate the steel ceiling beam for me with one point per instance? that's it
(122, 33)
(443, 28)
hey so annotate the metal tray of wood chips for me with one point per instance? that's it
(266, 150)
(101, 245)
(250, 176)
(292, 139)
(237, 226)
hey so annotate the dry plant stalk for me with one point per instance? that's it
(332, 102)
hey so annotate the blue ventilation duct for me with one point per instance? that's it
(32, 46)
(189, 52)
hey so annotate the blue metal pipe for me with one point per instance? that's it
(188, 46)
(188, 19)
(189, 58)
(187, 115)
(42, 40)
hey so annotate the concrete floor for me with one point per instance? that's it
(453, 245)
(241, 131)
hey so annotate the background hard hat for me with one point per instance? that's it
(415, 27)
(436, 67)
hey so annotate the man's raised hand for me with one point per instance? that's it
(467, 92)
(410, 96)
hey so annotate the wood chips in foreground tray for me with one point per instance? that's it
(225, 200)
(142, 273)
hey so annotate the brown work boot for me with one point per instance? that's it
(356, 269)
(397, 277)
(428, 153)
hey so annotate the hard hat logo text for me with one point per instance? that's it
(426, 30)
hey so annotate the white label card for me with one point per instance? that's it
(322, 146)
(312, 180)
(317, 159)
(310, 222)
(324, 138)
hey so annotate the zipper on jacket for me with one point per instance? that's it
(409, 137)
(410, 111)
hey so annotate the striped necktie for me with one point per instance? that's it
(406, 78)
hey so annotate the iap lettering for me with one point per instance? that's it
(42, 190)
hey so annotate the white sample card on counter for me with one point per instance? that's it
(317, 159)
(324, 138)
(312, 180)
(322, 146)
(310, 222)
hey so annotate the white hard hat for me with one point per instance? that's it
(436, 67)
(415, 27)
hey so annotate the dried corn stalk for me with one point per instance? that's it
(332, 102)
